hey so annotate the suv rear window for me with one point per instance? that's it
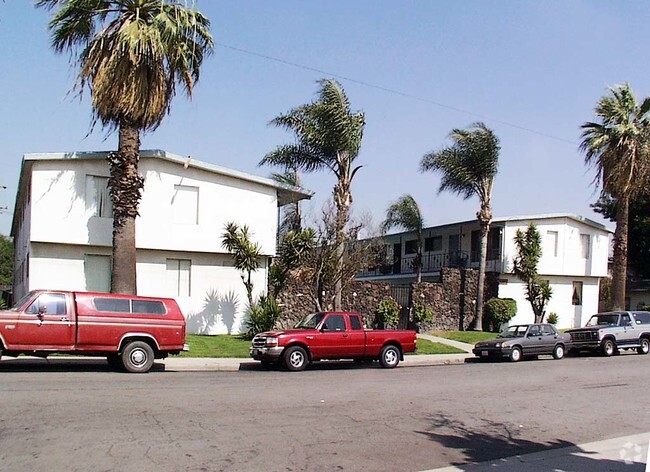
(642, 317)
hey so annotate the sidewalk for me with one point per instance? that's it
(625, 454)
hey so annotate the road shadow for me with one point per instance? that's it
(316, 366)
(62, 364)
(494, 441)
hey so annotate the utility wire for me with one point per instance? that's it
(396, 92)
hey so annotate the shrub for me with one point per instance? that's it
(499, 311)
(552, 318)
(262, 316)
(422, 313)
(387, 313)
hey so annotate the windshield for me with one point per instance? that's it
(310, 321)
(603, 320)
(22, 301)
(514, 332)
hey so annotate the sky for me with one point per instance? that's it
(531, 70)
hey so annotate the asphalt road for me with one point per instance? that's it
(324, 419)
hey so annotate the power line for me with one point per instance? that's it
(397, 92)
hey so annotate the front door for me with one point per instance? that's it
(333, 339)
(454, 250)
(47, 323)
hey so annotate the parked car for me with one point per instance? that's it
(609, 332)
(331, 335)
(130, 331)
(520, 341)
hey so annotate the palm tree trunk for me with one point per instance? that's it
(342, 201)
(126, 190)
(619, 271)
(478, 322)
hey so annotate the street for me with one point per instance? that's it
(330, 417)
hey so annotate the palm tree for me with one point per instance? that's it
(245, 253)
(328, 137)
(468, 168)
(617, 146)
(405, 213)
(131, 55)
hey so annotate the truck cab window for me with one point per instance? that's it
(48, 303)
(355, 322)
(334, 323)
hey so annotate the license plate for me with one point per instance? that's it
(484, 353)
(255, 352)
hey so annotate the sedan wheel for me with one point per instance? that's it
(558, 352)
(515, 354)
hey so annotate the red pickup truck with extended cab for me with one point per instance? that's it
(331, 335)
(130, 331)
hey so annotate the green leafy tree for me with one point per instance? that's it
(529, 251)
(638, 250)
(499, 311)
(387, 313)
(6, 260)
(617, 147)
(293, 250)
(468, 168)
(328, 136)
(131, 55)
(405, 213)
(245, 253)
(262, 316)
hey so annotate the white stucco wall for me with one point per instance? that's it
(569, 315)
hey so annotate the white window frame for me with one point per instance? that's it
(98, 197)
(179, 277)
(185, 205)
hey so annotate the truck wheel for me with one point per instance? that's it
(644, 346)
(558, 352)
(137, 357)
(115, 362)
(389, 357)
(515, 354)
(295, 359)
(609, 348)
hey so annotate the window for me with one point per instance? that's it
(178, 277)
(434, 243)
(625, 320)
(577, 294)
(547, 330)
(98, 198)
(185, 205)
(148, 307)
(551, 242)
(113, 305)
(584, 246)
(411, 247)
(48, 304)
(97, 270)
(334, 323)
(355, 322)
(642, 318)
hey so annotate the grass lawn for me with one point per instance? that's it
(236, 346)
(469, 337)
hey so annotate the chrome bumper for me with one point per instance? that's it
(186, 347)
(258, 353)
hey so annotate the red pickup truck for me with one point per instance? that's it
(331, 335)
(130, 331)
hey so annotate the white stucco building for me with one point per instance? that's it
(62, 230)
(574, 258)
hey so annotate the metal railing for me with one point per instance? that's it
(433, 263)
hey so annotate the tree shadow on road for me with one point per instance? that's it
(493, 441)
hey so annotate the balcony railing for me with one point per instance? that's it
(432, 263)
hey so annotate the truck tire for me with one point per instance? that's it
(515, 354)
(558, 351)
(295, 359)
(644, 346)
(609, 348)
(137, 357)
(389, 357)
